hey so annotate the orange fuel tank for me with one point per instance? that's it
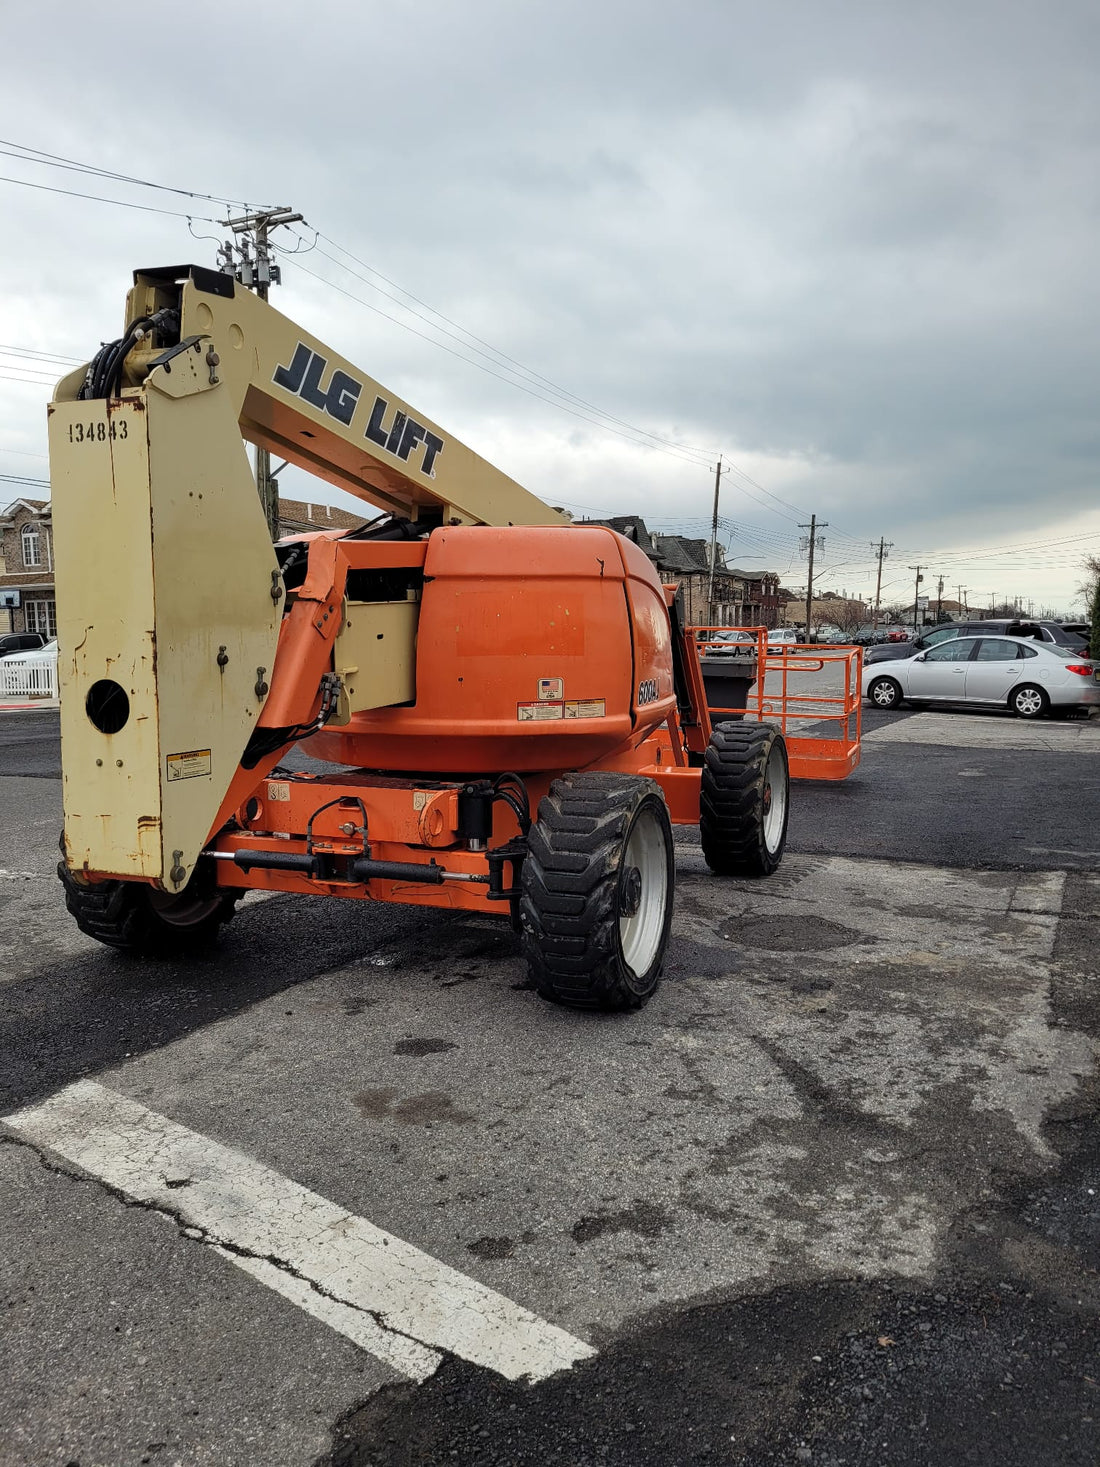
(537, 649)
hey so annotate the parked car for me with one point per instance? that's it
(1041, 631)
(38, 654)
(12, 643)
(727, 642)
(1029, 676)
(1080, 629)
(784, 639)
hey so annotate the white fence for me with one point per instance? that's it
(34, 677)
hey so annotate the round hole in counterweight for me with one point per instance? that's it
(107, 706)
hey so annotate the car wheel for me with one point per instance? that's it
(884, 692)
(1028, 701)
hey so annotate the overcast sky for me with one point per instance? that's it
(852, 247)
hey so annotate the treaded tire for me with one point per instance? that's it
(744, 799)
(126, 915)
(1034, 706)
(577, 930)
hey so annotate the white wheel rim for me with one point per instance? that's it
(884, 694)
(640, 935)
(1029, 702)
(775, 799)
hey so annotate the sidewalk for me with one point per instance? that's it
(33, 705)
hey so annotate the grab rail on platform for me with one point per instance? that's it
(820, 717)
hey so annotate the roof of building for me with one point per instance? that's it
(300, 514)
(36, 506)
(678, 553)
(630, 526)
(752, 575)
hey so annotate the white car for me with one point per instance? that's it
(1029, 677)
(35, 654)
(783, 639)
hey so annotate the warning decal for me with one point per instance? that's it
(586, 708)
(538, 712)
(193, 764)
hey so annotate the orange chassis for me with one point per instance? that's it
(586, 594)
(412, 821)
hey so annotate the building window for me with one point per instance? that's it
(41, 616)
(32, 554)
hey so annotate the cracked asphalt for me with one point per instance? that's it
(831, 1197)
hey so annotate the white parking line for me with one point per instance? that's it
(387, 1296)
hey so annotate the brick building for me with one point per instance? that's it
(27, 601)
(741, 598)
(26, 568)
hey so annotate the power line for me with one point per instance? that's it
(22, 479)
(122, 203)
(531, 392)
(58, 160)
(503, 357)
(42, 356)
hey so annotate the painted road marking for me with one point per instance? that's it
(962, 731)
(387, 1296)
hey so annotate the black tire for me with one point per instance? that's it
(1028, 701)
(744, 799)
(136, 918)
(884, 692)
(579, 890)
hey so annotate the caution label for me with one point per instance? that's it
(539, 712)
(586, 708)
(277, 791)
(192, 764)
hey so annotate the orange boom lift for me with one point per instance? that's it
(514, 713)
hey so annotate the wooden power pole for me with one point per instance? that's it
(813, 528)
(259, 274)
(714, 542)
(882, 551)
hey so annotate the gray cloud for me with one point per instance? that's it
(851, 245)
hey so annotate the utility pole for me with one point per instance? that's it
(882, 551)
(714, 540)
(916, 592)
(259, 274)
(813, 528)
(939, 602)
(962, 603)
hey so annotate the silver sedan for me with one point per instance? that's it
(1026, 676)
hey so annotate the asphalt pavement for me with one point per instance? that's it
(830, 1198)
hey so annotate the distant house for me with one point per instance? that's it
(298, 516)
(741, 598)
(26, 568)
(27, 602)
